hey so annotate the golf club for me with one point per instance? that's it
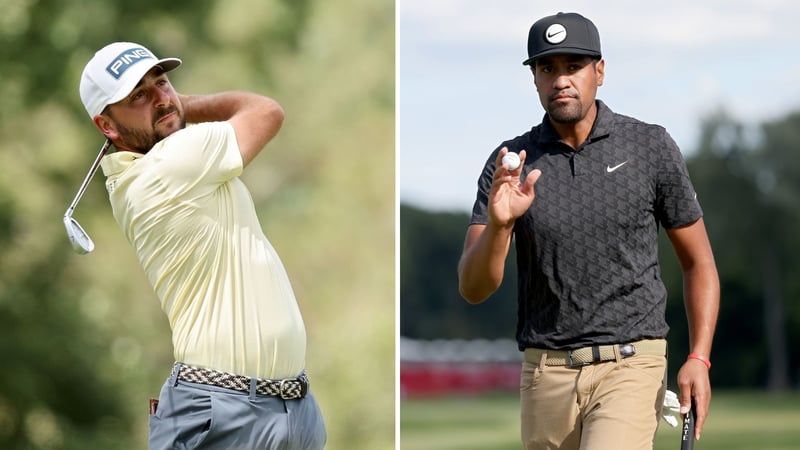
(80, 240)
(687, 434)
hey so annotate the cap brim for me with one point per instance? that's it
(139, 71)
(561, 51)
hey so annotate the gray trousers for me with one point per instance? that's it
(196, 416)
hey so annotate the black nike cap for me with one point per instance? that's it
(563, 33)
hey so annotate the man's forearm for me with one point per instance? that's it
(482, 264)
(255, 119)
(217, 107)
(701, 287)
(700, 283)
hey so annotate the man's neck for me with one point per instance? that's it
(575, 134)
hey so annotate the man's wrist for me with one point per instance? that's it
(701, 358)
(500, 229)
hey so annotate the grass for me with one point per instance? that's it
(738, 421)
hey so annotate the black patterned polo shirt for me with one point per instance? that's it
(587, 255)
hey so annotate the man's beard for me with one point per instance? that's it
(567, 113)
(143, 140)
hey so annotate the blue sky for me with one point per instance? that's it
(462, 88)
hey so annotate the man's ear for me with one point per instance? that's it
(106, 126)
(600, 67)
(533, 72)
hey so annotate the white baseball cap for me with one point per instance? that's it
(114, 71)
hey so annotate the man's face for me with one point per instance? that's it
(151, 112)
(567, 85)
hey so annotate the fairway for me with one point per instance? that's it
(738, 421)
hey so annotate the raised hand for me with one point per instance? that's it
(509, 196)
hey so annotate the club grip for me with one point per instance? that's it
(687, 432)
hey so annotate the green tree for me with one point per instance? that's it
(747, 182)
(430, 305)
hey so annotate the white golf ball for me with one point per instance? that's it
(511, 160)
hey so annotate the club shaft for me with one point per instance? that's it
(88, 178)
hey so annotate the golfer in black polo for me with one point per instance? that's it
(584, 208)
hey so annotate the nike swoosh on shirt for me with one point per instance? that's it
(610, 169)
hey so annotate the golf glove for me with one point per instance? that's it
(671, 410)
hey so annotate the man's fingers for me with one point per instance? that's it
(702, 402)
(685, 397)
(684, 393)
(530, 180)
(522, 155)
(503, 175)
(498, 162)
(500, 169)
(694, 386)
(698, 425)
(685, 404)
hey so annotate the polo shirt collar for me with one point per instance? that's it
(117, 162)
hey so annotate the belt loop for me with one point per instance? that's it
(543, 361)
(617, 354)
(596, 354)
(176, 372)
(253, 388)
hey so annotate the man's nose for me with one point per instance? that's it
(561, 80)
(160, 98)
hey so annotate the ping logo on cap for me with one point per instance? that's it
(556, 33)
(126, 60)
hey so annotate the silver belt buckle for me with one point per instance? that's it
(627, 350)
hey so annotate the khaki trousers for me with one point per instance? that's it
(603, 406)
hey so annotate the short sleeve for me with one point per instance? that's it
(200, 156)
(676, 200)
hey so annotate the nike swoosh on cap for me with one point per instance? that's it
(553, 34)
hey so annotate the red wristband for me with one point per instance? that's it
(700, 358)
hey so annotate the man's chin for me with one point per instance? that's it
(565, 114)
(166, 128)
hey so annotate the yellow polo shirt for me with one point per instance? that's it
(194, 228)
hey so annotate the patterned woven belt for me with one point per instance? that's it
(287, 388)
(596, 353)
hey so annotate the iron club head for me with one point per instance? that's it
(80, 240)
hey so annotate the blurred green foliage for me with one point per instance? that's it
(84, 343)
